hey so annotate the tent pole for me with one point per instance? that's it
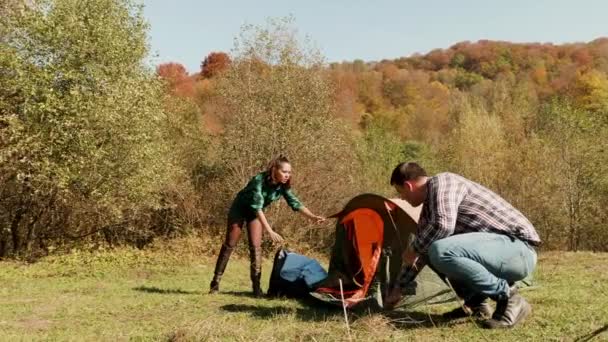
(350, 338)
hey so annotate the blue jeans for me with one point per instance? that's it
(482, 263)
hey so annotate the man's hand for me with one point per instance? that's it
(409, 257)
(393, 297)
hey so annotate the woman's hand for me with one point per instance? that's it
(275, 237)
(319, 219)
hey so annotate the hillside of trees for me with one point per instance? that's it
(98, 149)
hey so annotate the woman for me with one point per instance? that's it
(263, 189)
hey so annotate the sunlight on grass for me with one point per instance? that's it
(135, 295)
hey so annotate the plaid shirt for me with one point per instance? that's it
(456, 205)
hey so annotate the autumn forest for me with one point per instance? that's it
(99, 149)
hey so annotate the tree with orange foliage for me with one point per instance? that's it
(177, 78)
(590, 91)
(582, 56)
(215, 63)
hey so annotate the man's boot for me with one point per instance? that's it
(220, 266)
(255, 253)
(509, 312)
(477, 307)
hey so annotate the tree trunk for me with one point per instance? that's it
(30, 236)
(15, 230)
(31, 230)
(3, 244)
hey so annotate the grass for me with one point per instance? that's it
(161, 296)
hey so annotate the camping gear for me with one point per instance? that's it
(294, 275)
(371, 234)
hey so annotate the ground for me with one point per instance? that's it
(162, 296)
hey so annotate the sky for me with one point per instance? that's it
(185, 31)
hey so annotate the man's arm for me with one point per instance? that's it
(438, 220)
(440, 213)
(412, 265)
(407, 276)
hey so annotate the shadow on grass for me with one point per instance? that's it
(399, 319)
(267, 312)
(154, 289)
(417, 319)
(239, 293)
(305, 301)
(315, 310)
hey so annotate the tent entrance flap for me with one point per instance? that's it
(363, 231)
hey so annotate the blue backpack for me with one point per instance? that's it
(294, 275)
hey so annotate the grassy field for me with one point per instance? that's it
(161, 296)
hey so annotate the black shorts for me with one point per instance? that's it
(237, 214)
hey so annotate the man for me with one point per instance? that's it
(473, 238)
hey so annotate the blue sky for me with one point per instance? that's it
(185, 31)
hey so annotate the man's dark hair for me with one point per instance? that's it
(405, 172)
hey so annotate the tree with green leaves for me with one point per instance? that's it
(576, 147)
(278, 100)
(81, 121)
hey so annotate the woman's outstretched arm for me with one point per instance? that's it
(304, 211)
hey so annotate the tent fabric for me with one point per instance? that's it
(371, 234)
(364, 228)
(367, 241)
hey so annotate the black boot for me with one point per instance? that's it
(509, 312)
(255, 253)
(220, 266)
(476, 307)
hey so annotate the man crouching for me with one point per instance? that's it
(473, 238)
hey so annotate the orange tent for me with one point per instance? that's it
(371, 234)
